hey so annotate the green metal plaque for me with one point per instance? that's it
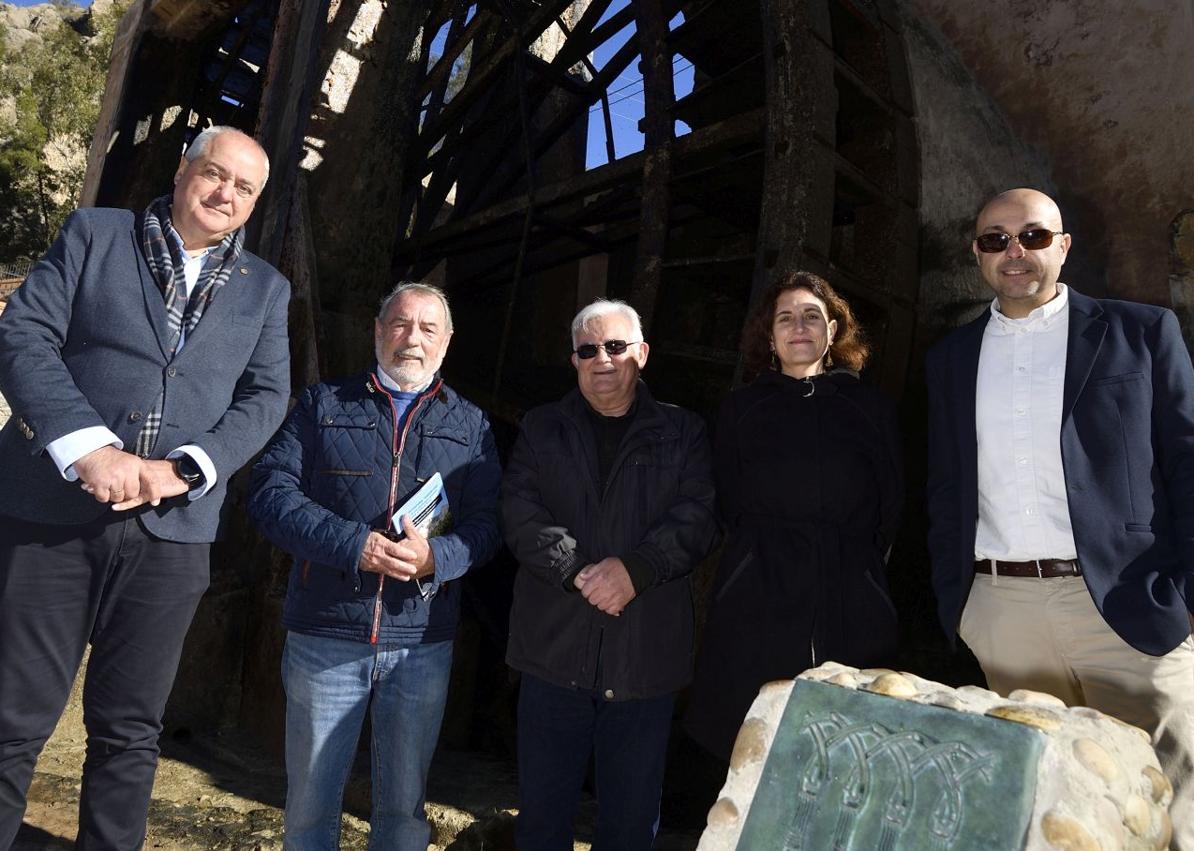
(853, 771)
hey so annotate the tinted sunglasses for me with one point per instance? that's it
(1031, 240)
(612, 347)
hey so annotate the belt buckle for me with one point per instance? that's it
(1040, 574)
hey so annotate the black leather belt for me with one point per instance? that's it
(1044, 568)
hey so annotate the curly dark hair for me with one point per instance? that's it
(849, 347)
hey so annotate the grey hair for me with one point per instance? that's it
(606, 307)
(418, 287)
(199, 145)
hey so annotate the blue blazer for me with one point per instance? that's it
(82, 343)
(1127, 446)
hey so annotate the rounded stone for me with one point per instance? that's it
(1095, 759)
(948, 701)
(1067, 834)
(1031, 716)
(1166, 834)
(845, 678)
(978, 692)
(1138, 815)
(775, 686)
(892, 685)
(723, 814)
(751, 744)
(875, 672)
(1037, 698)
(1158, 785)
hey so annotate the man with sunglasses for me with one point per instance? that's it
(607, 503)
(1061, 490)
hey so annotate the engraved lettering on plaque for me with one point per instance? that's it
(859, 747)
(851, 771)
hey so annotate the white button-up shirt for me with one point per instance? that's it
(1023, 512)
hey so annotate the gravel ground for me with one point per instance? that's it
(225, 794)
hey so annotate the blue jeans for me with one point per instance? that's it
(329, 683)
(558, 728)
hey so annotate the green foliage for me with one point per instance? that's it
(57, 84)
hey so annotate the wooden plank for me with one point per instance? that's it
(484, 75)
(733, 131)
(658, 134)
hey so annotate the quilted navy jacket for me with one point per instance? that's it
(324, 482)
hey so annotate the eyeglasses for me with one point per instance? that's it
(1033, 239)
(612, 347)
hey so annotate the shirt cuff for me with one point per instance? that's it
(205, 465)
(69, 448)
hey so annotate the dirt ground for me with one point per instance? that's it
(221, 793)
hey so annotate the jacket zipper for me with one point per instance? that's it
(397, 444)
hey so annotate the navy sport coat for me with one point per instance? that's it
(82, 343)
(1127, 446)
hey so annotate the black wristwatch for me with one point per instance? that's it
(188, 470)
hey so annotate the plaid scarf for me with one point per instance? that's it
(166, 259)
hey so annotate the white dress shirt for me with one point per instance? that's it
(69, 448)
(1023, 512)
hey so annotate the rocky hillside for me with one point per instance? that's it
(24, 24)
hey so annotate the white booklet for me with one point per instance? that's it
(429, 513)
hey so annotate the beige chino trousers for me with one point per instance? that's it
(1047, 635)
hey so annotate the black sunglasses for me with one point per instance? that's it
(1033, 239)
(612, 347)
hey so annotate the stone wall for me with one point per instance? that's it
(1106, 90)
(968, 153)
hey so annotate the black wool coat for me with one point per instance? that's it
(810, 486)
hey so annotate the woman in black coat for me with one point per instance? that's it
(809, 487)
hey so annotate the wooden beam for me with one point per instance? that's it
(729, 133)
(482, 77)
(658, 132)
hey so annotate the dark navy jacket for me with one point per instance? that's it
(325, 481)
(83, 343)
(1127, 445)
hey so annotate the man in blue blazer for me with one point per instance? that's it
(1061, 489)
(145, 360)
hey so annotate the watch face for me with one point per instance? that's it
(188, 470)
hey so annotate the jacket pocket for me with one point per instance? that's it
(339, 472)
(1116, 379)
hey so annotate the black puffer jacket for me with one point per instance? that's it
(658, 504)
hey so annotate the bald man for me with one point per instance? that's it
(1061, 489)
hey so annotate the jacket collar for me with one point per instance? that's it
(370, 385)
(649, 411)
(1087, 328)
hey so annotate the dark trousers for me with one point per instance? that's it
(558, 729)
(132, 597)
